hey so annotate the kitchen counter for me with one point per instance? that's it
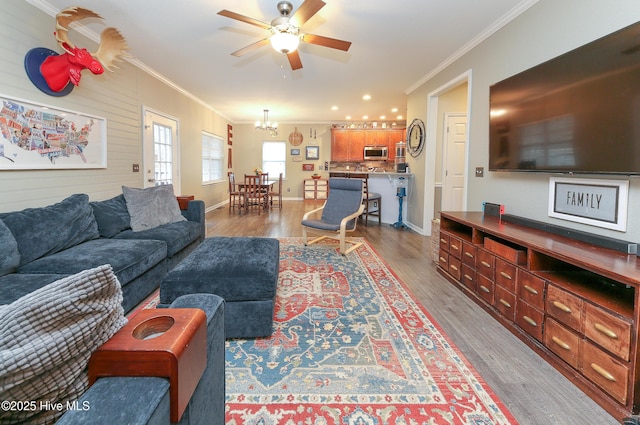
(386, 184)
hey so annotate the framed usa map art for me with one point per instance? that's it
(42, 137)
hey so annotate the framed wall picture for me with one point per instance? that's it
(295, 152)
(36, 136)
(307, 167)
(601, 203)
(312, 152)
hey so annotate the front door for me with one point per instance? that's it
(454, 167)
(160, 144)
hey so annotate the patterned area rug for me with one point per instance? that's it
(351, 345)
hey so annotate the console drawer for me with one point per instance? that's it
(604, 370)
(485, 288)
(469, 254)
(455, 246)
(529, 319)
(562, 341)
(443, 259)
(444, 241)
(505, 301)
(468, 277)
(485, 263)
(506, 274)
(565, 307)
(610, 332)
(455, 267)
(531, 289)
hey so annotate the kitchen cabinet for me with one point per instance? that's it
(574, 303)
(347, 145)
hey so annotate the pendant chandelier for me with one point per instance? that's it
(271, 127)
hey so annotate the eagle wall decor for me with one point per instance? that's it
(57, 74)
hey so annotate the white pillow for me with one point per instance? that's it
(47, 337)
(151, 207)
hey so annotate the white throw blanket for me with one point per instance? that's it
(46, 340)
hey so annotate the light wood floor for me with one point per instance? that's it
(533, 391)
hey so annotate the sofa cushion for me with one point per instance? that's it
(47, 230)
(47, 337)
(10, 258)
(16, 285)
(129, 258)
(111, 215)
(177, 235)
(151, 207)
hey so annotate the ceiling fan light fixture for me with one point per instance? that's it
(286, 41)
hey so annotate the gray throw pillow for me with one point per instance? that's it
(152, 207)
(47, 337)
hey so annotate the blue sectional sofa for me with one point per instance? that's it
(41, 245)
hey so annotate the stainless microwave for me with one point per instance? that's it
(376, 153)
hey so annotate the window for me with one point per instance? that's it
(274, 156)
(211, 158)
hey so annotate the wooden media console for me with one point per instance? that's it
(574, 303)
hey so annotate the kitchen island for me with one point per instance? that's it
(386, 184)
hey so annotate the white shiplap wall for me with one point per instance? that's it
(116, 96)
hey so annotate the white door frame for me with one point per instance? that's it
(147, 138)
(432, 137)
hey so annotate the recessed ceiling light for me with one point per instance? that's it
(366, 97)
(334, 108)
(383, 117)
(399, 117)
(348, 117)
(394, 110)
(365, 117)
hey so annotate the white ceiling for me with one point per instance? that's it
(396, 46)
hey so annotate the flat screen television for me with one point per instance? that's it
(576, 113)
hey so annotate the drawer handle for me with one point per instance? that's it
(530, 289)
(603, 329)
(443, 240)
(561, 343)
(505, 275)
(468, 254)
(602, 372)
(530, 321)
(466, 276)
(562, 306)
(454, 267)
(444, 260)
(505, 303)
(484, 263)
(454, 247)
(485, 289)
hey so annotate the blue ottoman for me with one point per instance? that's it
(241, 270)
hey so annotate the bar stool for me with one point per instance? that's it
(368, 198)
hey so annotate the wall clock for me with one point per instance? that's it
(415, 137)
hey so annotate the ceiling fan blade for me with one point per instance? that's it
(242, 18)
(306, 11)
(250, 47)
(332, 43)
(294, 60)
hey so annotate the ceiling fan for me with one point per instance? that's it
(285, 31)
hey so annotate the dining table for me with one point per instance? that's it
(265, 187)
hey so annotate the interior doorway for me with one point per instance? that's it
(453, 97)
(161, 163)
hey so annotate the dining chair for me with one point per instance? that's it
(368, 199)
(339, 214)
(235, 195)
(252, 193)
(276, 193)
